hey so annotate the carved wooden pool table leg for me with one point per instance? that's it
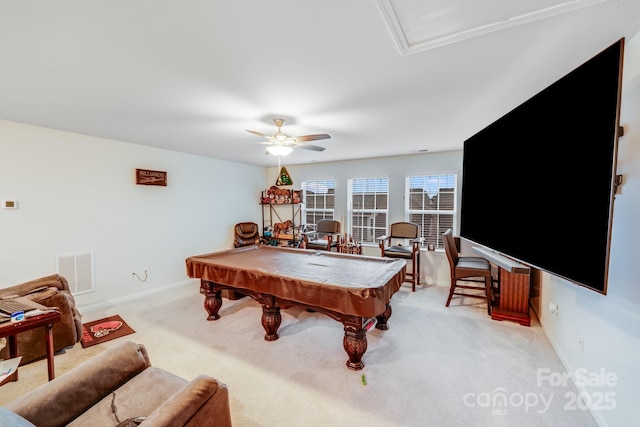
(354, 341)
(382, 319)
(212, 300)
(271, 317)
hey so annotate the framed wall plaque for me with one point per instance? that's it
(149, 177)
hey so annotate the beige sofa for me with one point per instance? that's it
(52, 291)
(117, 386)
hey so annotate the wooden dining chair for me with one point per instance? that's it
(465, 270)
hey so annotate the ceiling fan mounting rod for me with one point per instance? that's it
(279, 136)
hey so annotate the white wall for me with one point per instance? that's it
(610, 324)
(78, 193)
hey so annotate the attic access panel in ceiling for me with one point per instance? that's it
(418, 25)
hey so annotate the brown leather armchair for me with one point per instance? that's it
(409, 232)
(325, 236)
(50, 291)
(246, 234)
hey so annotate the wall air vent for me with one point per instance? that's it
(78, 269)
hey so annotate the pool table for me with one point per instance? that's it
(353, 289)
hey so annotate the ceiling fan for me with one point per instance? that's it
(281, 144)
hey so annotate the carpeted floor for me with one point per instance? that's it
(435, 366)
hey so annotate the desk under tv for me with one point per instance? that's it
(515, 282)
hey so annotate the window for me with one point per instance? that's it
(431, 203)
(368, 208)
(319, 199)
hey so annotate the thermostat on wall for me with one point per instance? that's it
(9, 204)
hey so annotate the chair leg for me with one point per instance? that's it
(451, 289)
(418, 269)
(488, 285)
(414, 277)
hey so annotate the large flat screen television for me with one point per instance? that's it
(538, 183)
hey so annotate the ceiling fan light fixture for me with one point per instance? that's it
(280, 137)
(281, 144)
(279, 150)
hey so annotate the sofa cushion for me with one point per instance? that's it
(11, 419)
(139, 397)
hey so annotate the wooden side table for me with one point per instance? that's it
(10, 330)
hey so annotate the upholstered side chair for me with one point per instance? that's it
(403, 241)
(325, 236)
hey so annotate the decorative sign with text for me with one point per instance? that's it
(147, 177)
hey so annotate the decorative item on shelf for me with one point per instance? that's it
(275, 195)
(283, 230)
(268, 237)
(284, 178)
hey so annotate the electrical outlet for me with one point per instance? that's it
(553, 309)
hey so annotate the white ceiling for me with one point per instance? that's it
(384, 78)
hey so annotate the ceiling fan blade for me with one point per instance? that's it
(255, 132)
(310, 147)
(312, 137)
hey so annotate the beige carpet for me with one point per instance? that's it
(435, 366)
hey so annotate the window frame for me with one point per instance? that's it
(374, 230)
(436, 237)
(323, 212)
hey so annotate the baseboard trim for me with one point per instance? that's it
(135, 296)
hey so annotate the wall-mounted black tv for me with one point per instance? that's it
(538, 184)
